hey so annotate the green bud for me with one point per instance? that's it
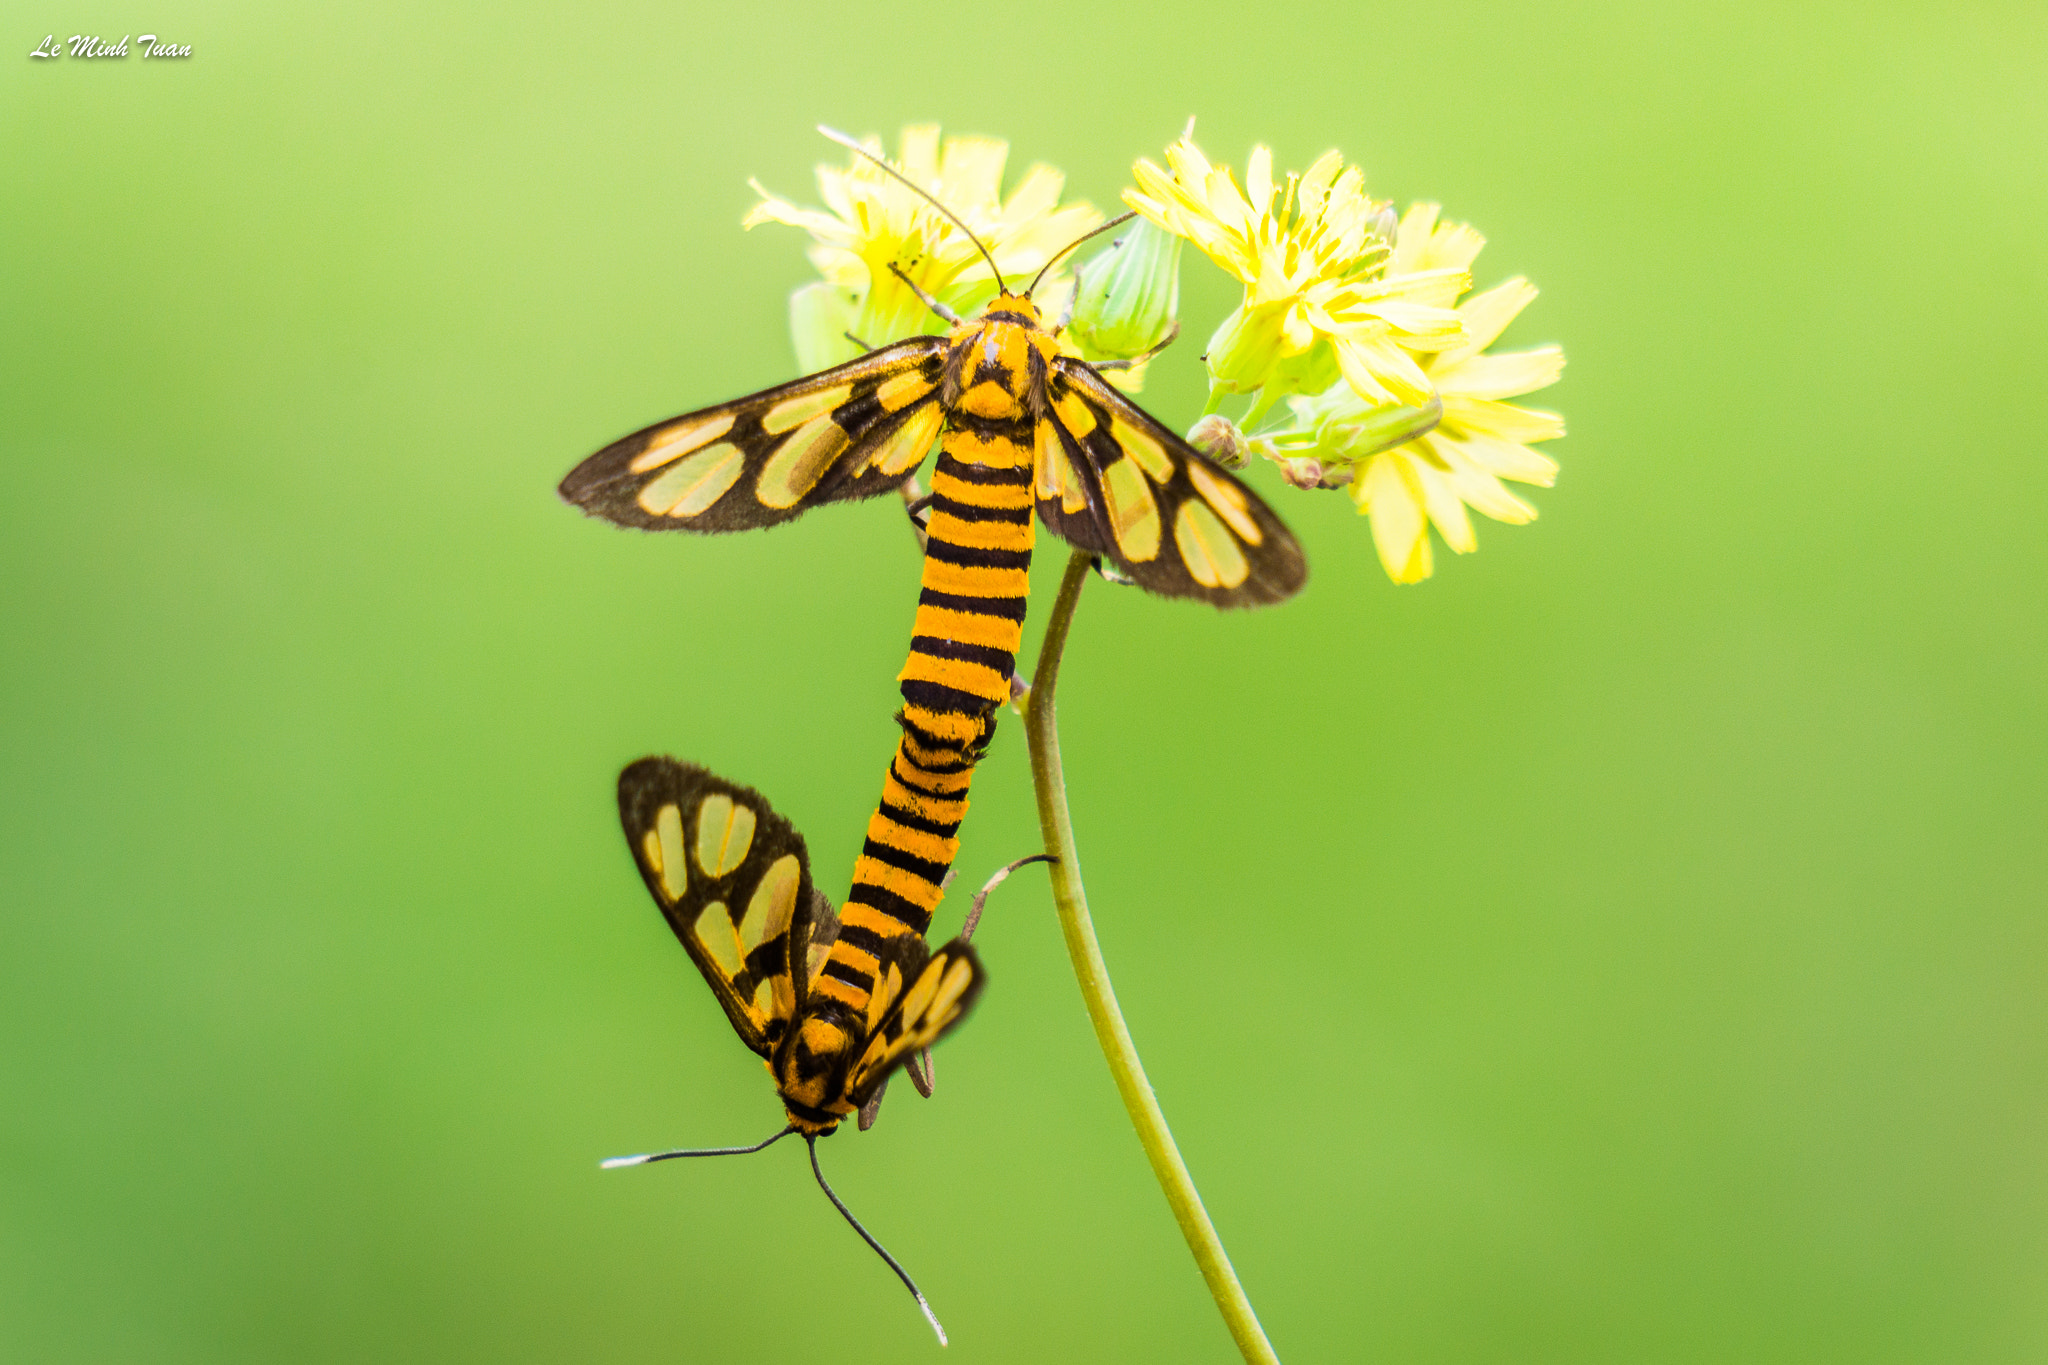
(819, 317)
(1128, 298)
(1218, 437)
(1247, 346)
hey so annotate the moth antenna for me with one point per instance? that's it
(981, 896)
(865, 1236)
(1092, 232)
(848, 143)
(613, 1163)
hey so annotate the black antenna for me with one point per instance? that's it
(847, 1213)
(613, 1163)
(847, 142)
(1091, 232)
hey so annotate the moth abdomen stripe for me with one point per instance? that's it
(910, 819)
(933, 872)
(974, 557)
(1017, 515)
(841, 970)
(882, 900)
(1009, 608)
(1002, 660)
(987, 475)
(938, 696)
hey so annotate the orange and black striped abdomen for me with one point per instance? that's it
(963, 648)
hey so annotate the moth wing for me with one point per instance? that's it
(853, 431)
(730, 876)
(925, 1005)
(1110, 478)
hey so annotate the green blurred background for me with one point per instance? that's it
(1627, 946)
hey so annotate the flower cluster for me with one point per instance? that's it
(1356, 320)
(1363, 323)
(873, 226)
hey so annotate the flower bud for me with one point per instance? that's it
(1128, 298)
(1248, 345)
(1304, 471)
(1218, 437)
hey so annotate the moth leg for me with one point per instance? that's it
(948, 314)
(916, 500)
(870, 1110)
(857, 341)
(919, 1068)
(1137, 360)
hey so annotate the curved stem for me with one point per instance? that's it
(1042, 735)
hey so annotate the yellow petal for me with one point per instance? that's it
(1501, 459)
(1258, 179)
(1480, 416)
(1377, 370)
(1411, 242)
(1400, 531)
(1500, 376)
(1486, 316)
(1440, 498)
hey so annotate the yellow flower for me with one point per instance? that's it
(1480, 440)
(871, 221)
(1312, 254)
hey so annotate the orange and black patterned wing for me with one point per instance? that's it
(1110, 478)
(919, 999)
(853, 431)
(734, 882)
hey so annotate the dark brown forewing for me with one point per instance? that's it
(1245, 555)
(733, 880)
(704, 471)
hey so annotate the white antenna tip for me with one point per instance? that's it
(933, 1319)
(612, 1163)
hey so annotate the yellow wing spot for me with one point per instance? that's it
(958, 976)
(764, 999)
(1047, 449)
(724, 834)
(713, 930)
(1073, 495)
(814, 962)
(1209, 551)
(664, 845)
(921, 995)
(794, 470)
(907, 446)
(679, 440)
(1133, 515)
(1075, 414)
(1150, 455)
(900, 391)
(696, 483)
(886, 991)
(1228, 500)
(769, 909)
(794, 412)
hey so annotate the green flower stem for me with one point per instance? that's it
(1042, 735)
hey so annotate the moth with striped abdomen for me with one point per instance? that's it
(830, 1009)
(1023, 425)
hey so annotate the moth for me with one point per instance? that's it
(831, 1013)
(1027, 432)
